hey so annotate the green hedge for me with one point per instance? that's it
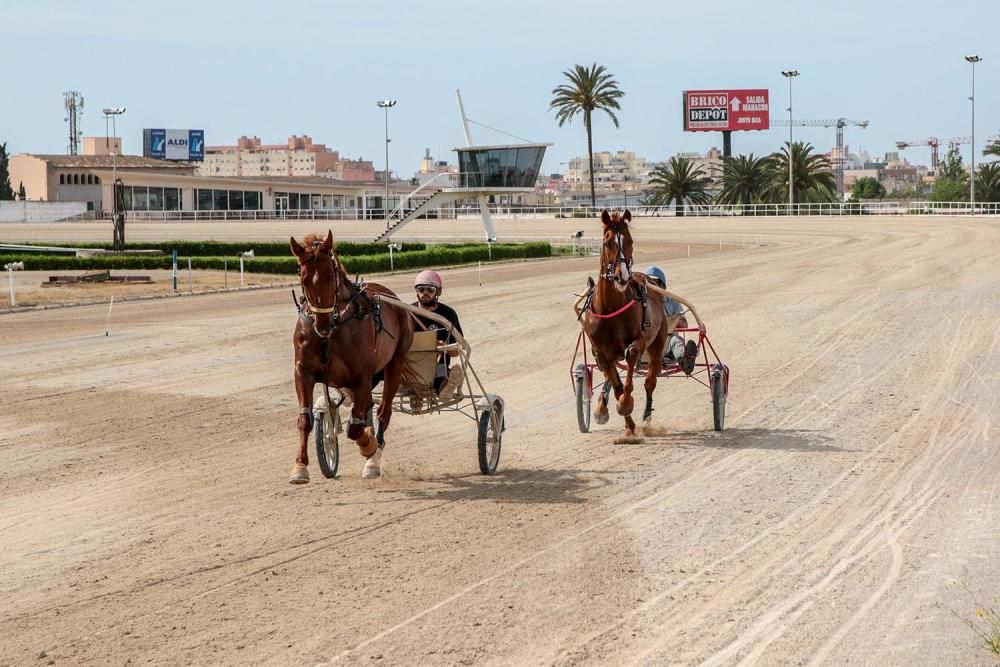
(432, 256)
(260, 249)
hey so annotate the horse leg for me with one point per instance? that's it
(625, 401)
(357, 426)
(304, 391)
(655, 351)
(390, 385)
(612, 380)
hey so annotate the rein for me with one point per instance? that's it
(618, 312)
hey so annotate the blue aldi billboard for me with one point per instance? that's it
(173, 144)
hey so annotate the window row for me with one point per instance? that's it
(228, 200)
(79, 179)
(298, 201)
(500, 167)
(141, 198)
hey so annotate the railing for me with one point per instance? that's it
(404, 200)
(470, 211)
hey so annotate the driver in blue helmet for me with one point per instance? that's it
(676, 351)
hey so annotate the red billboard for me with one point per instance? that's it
(726, 110)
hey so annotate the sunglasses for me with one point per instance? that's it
(426, 289)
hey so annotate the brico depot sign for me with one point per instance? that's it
(726, 110)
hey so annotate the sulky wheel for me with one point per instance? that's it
(719, 381)
(325, 425)
(490, 436)
(582, 383)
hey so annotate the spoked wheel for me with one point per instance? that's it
(719, 396)
(582, 380)
(490, 437)
(327, 444)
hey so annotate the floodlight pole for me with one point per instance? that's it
(790, 74)
(973, 59)
(386, 104)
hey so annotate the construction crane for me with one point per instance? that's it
(958, 141)
(838, 123)
(933, 142)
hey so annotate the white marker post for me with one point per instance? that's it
(107, 326)
(11, 268)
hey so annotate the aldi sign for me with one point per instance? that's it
(726, 110)
(173, 144)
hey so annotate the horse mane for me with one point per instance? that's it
(313, 242)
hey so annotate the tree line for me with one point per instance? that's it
(747, 179)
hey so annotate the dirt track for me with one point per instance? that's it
(145, 516)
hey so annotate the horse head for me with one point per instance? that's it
(616, 251)
(320, 275)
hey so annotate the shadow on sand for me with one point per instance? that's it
(515, 485)
(789, 440)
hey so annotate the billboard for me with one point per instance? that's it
(173, 144)
(726, 110)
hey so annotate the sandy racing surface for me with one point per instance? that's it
(848, 514)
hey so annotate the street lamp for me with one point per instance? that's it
(117, 212)
(386, 104)
(972, 181)
(790, 74)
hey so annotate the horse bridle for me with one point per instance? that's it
(313, 308)
(609, 271)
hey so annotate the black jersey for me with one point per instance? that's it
(448, 313)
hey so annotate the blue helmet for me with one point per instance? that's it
(657, 273)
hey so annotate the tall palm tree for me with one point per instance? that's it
(746, 180)
(680, 183)
(812, 175)
(988, 182)
(588, 90)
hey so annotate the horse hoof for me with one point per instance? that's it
(367, 443)
(299, 474)
(625, 405)
(373, 468)
(602, 417)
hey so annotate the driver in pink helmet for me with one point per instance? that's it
(429, 286)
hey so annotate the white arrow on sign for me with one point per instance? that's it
(735, 104)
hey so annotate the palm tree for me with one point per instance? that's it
(588, 90)
(679, 183)
(746, 180)
(988, 182)
(992, 148)
(812, 175)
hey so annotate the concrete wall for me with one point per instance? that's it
(37, 211)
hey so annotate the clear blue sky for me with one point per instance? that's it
(273, 69)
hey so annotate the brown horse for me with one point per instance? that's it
(618, 325)
(343, 338)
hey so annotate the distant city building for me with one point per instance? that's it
(438, 173)
(102, 145)
(299, 156)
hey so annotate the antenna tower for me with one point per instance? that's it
(73, 101)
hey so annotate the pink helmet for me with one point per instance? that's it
(429, 277)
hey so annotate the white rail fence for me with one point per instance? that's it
(55, 211)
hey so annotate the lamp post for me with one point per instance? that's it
(790, 74)
(117, 215)
(386, 104)
(973, 59)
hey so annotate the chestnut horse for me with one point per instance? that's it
(613, 320)
(343, 337)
